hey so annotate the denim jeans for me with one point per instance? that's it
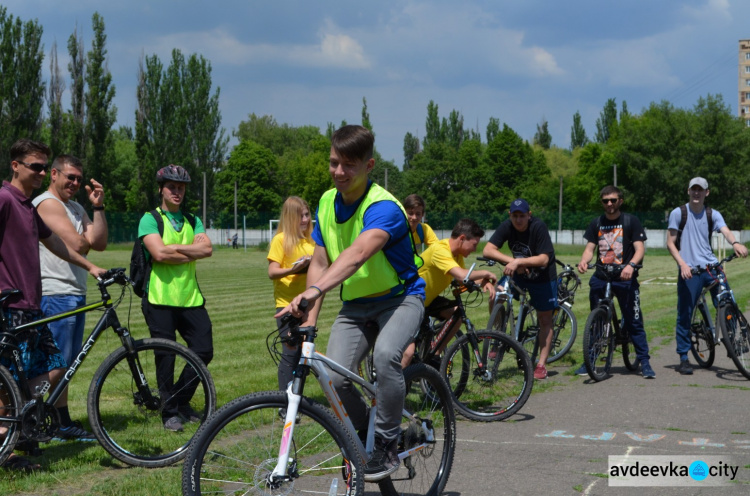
(68, 332)
(390, 325)
(629, 299)
(688, 292)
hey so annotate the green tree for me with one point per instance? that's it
(77, 117)
(177, 122)
(578, 138)
(253, 167)
(452, 129)
(606, 122)
(542, 137)
(57, 140)
(493, 129)
(366, 116)
(101, 113)
(432, 126)
(279, 138)
(21, 87)
(411, 149)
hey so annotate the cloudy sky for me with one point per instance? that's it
(312, 62)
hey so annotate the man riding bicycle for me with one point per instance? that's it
(443, 262)
(363, 243)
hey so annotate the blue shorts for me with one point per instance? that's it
(68, 333)
(542, 295)
(39, 352)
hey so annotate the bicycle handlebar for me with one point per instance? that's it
(697, 270)
(112, 276)
(490, 262)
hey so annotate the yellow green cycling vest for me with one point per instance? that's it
(376, 276)
(175, 285)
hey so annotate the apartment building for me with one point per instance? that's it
(743, 83)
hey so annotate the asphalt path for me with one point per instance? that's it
(560, 441)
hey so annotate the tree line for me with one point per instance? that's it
(459, 170)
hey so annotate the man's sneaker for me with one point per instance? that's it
(74, 432)
(646, 371)
(582, 370)
(173, 424)
(540, 372)
(383, 461)
(188, 414)
(684, 367)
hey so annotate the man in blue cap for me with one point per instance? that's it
(532, 267)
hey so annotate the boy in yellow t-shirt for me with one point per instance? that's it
(443, 262)
(420, 232)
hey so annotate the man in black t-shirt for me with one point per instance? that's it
(532, 267)
(619, 240)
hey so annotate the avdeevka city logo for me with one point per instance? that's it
(698, 470)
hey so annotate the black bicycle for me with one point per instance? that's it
(124, 402)
(729, 319)
(604, 331)
(524, 326)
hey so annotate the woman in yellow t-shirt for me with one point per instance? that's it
(288, 259)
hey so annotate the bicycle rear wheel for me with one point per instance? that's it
(237, 449)
(501, 375)
(702, 344)
(598, 344)
(564, 328)
(129, 424)
(736, 337)
(10, 408)
(430, 431)
(631, 362)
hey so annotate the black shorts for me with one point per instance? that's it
(439, 304)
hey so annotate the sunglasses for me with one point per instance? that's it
(73, 178)
(36, 166)
(607, 201)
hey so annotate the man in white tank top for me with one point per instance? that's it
(64, 284)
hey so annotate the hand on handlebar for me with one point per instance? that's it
(97, 272)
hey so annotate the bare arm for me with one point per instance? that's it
(177, 254)
(57, 246)
(588, 255)
(685, 269)
(640, 250)
(96, 232)
(739, 249)
(276, 271)
(54, 214)
(484, 278)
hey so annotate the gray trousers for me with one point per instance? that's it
(390, 325)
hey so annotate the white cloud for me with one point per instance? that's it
(712, 10)
(219, 46)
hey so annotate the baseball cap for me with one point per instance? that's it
(519, 205)
(699, 181)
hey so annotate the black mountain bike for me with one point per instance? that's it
(729, 319)
(604, 332)
(124, 403)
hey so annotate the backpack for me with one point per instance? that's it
(683, 221)
(140, 259)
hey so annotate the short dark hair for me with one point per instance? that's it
(468, 228)
(24, 147)
(353, 142)
(608, 190)
(413, 201)
(61, 160)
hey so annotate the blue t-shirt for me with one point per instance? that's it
(695, 245)
(387, 216)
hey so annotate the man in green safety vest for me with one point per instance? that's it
(363, 244)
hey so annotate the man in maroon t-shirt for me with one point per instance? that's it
(21, 230)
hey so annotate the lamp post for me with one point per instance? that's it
(614, 166)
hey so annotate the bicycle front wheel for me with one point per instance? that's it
(598, 344)
(631, 362)
(129, 421)
(702, 344)
(236, 451)
(500, 380)
(10, 409)
(736, 337)
(428, 435)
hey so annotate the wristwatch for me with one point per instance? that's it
(633, 264)
(98, 208)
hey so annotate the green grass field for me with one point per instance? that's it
(240, 301)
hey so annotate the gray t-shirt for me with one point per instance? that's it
(58, 276)
(695, 245)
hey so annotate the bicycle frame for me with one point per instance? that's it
(108, 320)
(504, 298)
(319, 363)
(724, 296)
